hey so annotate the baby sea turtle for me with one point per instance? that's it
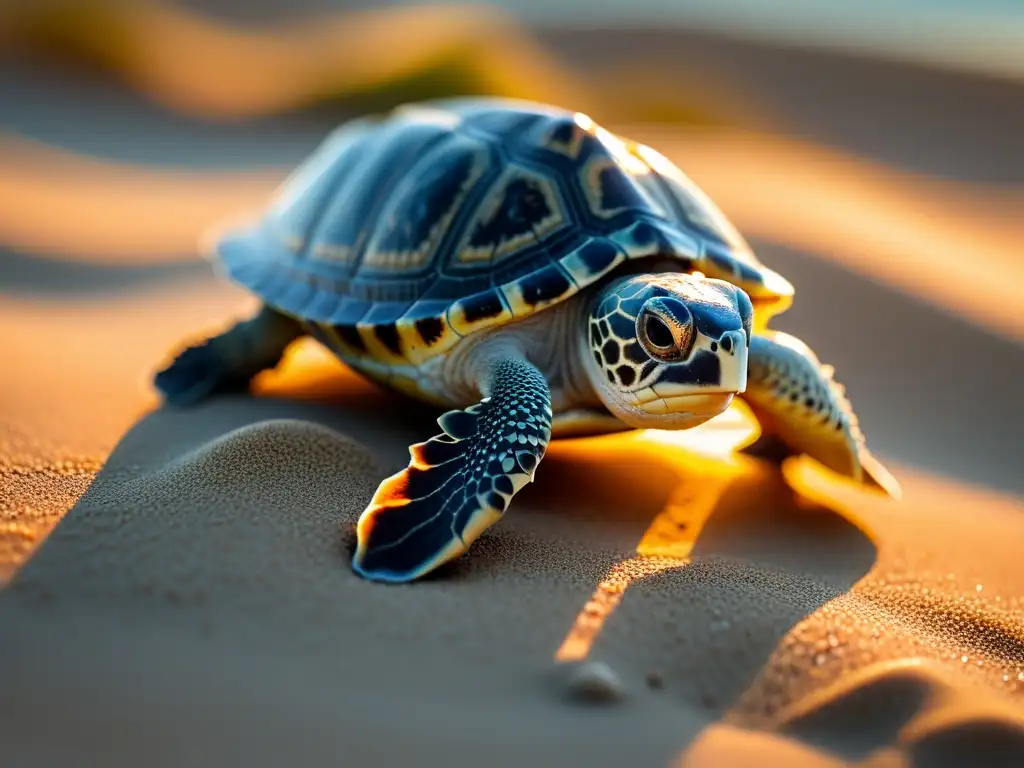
(533, 271)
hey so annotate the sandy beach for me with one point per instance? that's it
(176, 583)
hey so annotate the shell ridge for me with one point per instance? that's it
(340, 177)
(384, 193)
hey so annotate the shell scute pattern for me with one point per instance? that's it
(538, 290)
(371, 171)
(447, 218)
(308, 189)
(522, 209)
(566, 135)
(594, 259)
(480, 310)
(612, 179)
(689, 202)
(423, 207)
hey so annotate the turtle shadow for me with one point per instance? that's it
(762, 558)
(739, 506)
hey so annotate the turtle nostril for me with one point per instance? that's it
(727, 343)
(659, 334)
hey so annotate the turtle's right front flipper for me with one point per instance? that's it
(460, 482)
(799, 405)
(229, 361)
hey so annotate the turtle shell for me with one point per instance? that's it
(398, 237)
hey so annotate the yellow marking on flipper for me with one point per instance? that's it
(482, 518)
(393, 493)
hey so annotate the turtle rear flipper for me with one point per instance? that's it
(227, 362)
(460, 482)
(801, 409)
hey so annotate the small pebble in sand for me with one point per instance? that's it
(594, 681)
(654, 680)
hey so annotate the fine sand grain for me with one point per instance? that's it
(197, 603)
(652, 600)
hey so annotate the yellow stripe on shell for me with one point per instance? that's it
(457, 319)
(338, 254)
(513, 293)
(415, 348)
(579, 270)
(495, 197)
(582, 127)
(419, 256)
(590, 178)
(375, 349)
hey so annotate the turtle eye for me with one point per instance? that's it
(665, 329)
(658, 334)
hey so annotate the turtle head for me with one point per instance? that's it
(667, 351)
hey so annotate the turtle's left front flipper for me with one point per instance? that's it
(460, 482)
(798, 403)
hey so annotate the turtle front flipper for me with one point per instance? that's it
(798, 404)
(229, 361)
(460, 482)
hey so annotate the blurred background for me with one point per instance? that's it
(871, 151)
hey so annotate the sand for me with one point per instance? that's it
(196, 603)
(178, 589)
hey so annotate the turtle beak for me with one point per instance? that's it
(732, 358)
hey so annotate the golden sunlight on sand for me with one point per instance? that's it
(751, 612)
(752, 586)
(669, 539)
